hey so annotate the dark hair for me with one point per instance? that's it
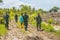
(21, 13)
(25, 12)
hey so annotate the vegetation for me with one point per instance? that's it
(0, 1)
(50, 21)
(54, 9)
(57, 32)
(45, 26)
(32, 12)
(3, 30)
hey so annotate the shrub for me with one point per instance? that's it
(47, 27)
(3, 30)
(57, 32)
(50, 21)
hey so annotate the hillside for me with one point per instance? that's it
(55, 16)
(32, 34)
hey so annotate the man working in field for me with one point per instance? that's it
(16, 18)
(38, 21)
(6, 17)
(26, 21)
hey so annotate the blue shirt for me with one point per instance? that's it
(21, 19)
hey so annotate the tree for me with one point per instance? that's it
(33, 10)
(54, 9)
(40, 10)
(14, 9)
(0, 1)
(25, 8)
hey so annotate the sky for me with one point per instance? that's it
(44, 4)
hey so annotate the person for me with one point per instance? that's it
(16, 18)
(38, 21)
(26, 21)
(6, 17)
(21, 20)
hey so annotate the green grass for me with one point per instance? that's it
(47, 27)
(3, 30)
(57, 32)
